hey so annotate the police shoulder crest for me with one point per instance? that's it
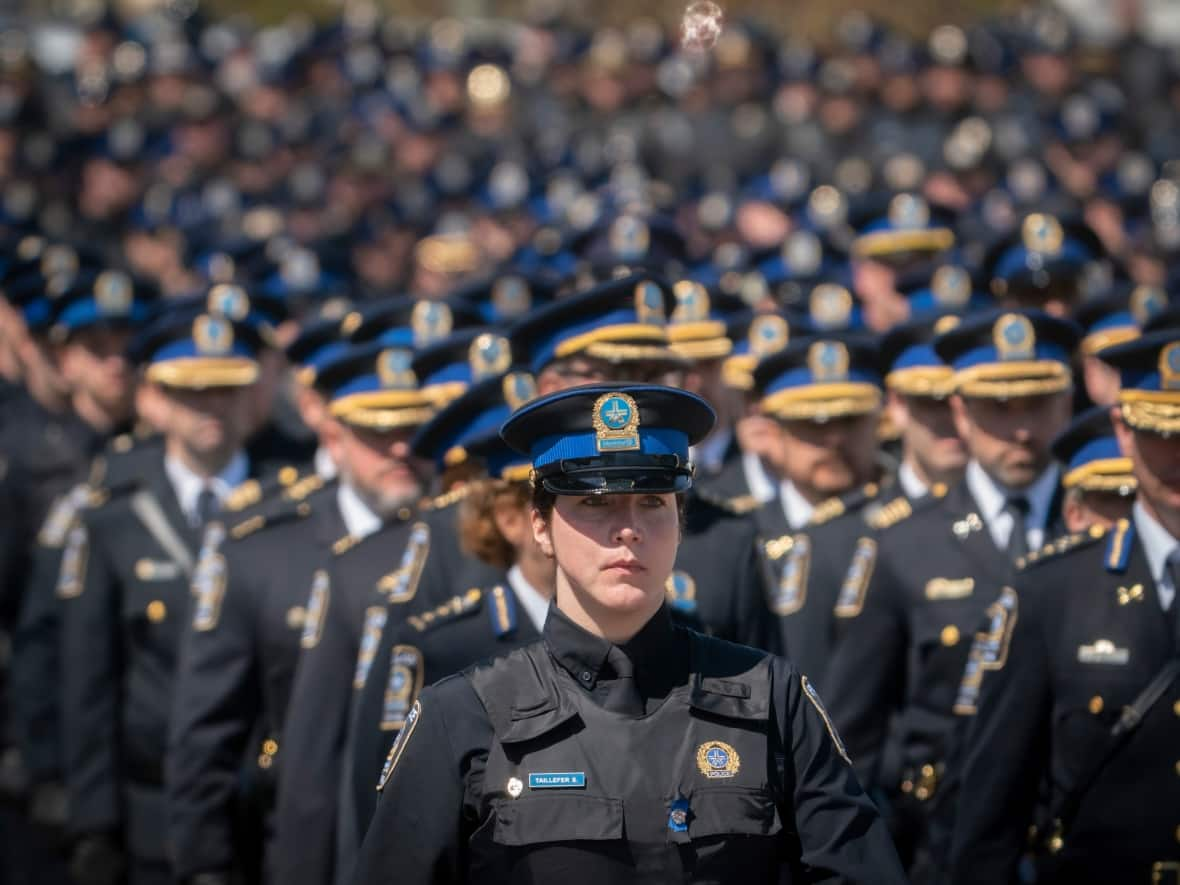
(399, 745)
(812, 695)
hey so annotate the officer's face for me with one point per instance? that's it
(1081, 510)
(613, 553)
(1155, 459)
(93, 362)
(928, 434)
(1101, 380)
(209, 423)
(1010, 438)
(829, 458)
(377, 463)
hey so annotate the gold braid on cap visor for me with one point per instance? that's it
(1154, 410)
(1017, 378)
(936, 382)
(1103, 475)
(1099, 341)
(822, 402)
(383, 409)
(890, 242)
(199, 372)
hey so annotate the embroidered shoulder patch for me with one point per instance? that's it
(851, 599)
(209, 582)
(890, 513)
(406, 671)
(62, 517)
(399, 745)
(813, 696)
(401, 584)
(73, 563)
(989, 650)
(375, 616)
(789, 593)
(317, 608)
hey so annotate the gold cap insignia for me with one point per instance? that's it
(907, 212)
(630, 238)
(213, 335)
(768, 334)
(692, 302)
(489, 355)
(1170, 367)
(511, 296)
(1146, 302)
(431, 321)
(59, 260)
(803, 253)
(828, 361)
(113, 293)
(393, 369)
(1014, 337)
(831, 306)
(229, 301)
(616, 421)
(951, 286)
(518, 388)
(944, 324)
(1042, 233)
(649, 303)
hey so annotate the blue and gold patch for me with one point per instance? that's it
(1170, 366)
(209, 583)
(317, 609)
(431, 321)
(830, 307)
(502, 611)
(828, 361)
(375, 617)
(790, 591)
(813, 696)
(1118, 547)
(400, 585)
(681, 592)
(629, 238)
(1014, 337)
(851, 598)
(679, 815)
(1042, 234)
(615, 417)
(768, 333)
(399, 745)
(649, 303)
(717, 759)
(406, 671)
(989, 651)
(519, 388)
(489, 355)
(213, 336)
(113, 293)
(228, 301)
(511, 297)
(394, 371)
(73, 563)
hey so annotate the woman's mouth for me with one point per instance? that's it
(631, 566)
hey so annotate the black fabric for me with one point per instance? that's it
(207, 506)
(1017, 505)
(1172, 612)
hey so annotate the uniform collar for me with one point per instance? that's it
(534, 604)
(188, 484)
(359, 518)
(325, 467)
(1158, 543)
(796, 508)
(583, 655)
(992, 498)
(910, 482)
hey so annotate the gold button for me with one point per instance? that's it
(296, 616)
(950, 635)
(265, 761)
(1176, 708)
(1096, 704)
(404, 513)
(270, 746)
(156, 611)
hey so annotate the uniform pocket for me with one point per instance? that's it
(561, 817)
(743, 811)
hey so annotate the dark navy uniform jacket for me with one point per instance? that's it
(1078, 636)
(675, 757)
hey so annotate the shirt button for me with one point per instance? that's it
(1096, 704)
(587, 677)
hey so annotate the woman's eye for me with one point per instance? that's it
(653, 501)
(594, 501)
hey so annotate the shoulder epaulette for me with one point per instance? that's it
(247, 527)
(300, 489)
(446, 499)
(776, 548)
(343, 545)
(245, 495)
(889, 514)
(828, 510)
(1118, 549)
(744, 504)
(1063, 544)
(449, 610)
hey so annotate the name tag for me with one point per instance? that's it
(1103, 651)
(949, 588)
(557, 780)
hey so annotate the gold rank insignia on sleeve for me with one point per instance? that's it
(851, 599)
(406, 673)
(827, 510)
(73, 563)
(399, 745)
(989, 650)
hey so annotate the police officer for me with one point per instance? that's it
(620, 747)
(125, 581)
(924, 581)
(1075, 682)
(1097, 478)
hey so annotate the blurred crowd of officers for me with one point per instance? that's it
(258, 287)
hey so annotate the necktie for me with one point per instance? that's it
(1018, 540)
(620, 694)
(1172, 612)
(207, 506)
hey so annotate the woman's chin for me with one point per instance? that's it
(628, 598)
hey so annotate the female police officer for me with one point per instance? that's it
(620, 748)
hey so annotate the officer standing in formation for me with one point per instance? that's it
(267, 297)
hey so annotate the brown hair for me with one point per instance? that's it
(478, 534)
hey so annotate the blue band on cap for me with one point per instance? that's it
(1120, 320)
(919, 355)
(86, 313)
(448, 373)
(545, 352)
(398, 336)
(653, 441)
(186, 348)
(1015, 260)
(36, 312)
(1100, 449)
(983, 356)
(803, 377)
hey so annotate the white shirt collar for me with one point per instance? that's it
(991, 498)
(796, 508)
(534, 604)
(757, 477)
(359, 518)
(910, 482)
(188, 484)
(325, 467)
(1158, 546)
(710, 454)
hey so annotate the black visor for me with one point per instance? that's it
(617, 474)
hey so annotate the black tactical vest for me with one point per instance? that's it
(573, 793)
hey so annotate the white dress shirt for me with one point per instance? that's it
(796, 508)
(758, 479)
(910, 482)
(188, 484)
(359, 518)
(1158, 546)
(992, 499)
(325, 467)
(534, 604)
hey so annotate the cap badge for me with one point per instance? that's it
(393, 369)
(907, 212)
(630, 238)
(489, 355)
(831, 306)
(57, 260)
(717, 759)
(1014, 337)
(228, 301)
(803, 253)
(828, 361)
(430, 320)
(511, 297)
(113, 293)
(692, 302)
(1146, 302)
(951, 287)
(1170, 367)
(768, 334)
(1042, 234)
(649, 303)
(214, 336)
(616, 423)
(518, 388)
